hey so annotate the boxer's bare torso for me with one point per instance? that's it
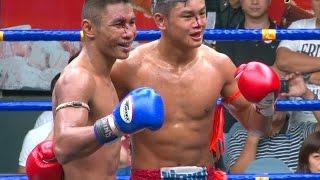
(190, 91)
(108, 34)
(103, 163)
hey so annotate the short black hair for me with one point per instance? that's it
(92, 9)
(165, 6)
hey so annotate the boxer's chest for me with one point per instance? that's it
(104, 99)
(192, 93)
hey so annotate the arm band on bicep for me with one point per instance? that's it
(75, 104)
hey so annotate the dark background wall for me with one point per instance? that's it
(14, 125)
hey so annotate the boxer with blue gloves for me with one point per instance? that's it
(85, 93)
(142, 108)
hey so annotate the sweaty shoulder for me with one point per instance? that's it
(216, 59)
(124, 70)
(137, 55)
(76, 83)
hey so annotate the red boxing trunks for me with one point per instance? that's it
(186, 172)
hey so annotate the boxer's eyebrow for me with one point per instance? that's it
(203, 9)
(187, 12)
(120, 20)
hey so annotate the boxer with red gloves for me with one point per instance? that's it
(190, 77)
(42, 164)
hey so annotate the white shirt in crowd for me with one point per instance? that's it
(39, 133)
(43, 118)
(311, 48)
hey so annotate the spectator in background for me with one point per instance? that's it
(309, 156)
(282, 142)
(228, 13)
(42, 130)
(240, 52)
(303, 56)
(256, 17)
(284, 12)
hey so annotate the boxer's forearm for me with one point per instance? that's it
(252, 120)
(247, 155)
(259, 124)
(74, 143)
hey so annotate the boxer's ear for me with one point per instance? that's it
(160, 20)
(88, 29)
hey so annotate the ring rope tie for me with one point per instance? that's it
(269, 34)
(1, 36)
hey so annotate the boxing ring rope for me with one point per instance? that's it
(210, 34)
(148, 35)
(281, 105)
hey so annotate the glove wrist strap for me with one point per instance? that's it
(265, 111)
(105, 130)
(265, 106)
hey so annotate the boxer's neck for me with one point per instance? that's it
(175, 56)
(101, 64)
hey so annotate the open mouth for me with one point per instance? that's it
(196, 36)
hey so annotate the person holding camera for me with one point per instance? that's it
(302, 56)
(282, 142)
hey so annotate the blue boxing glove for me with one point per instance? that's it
(141, 108)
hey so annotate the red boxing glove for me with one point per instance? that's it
(259, 84)
(42, 164)
(256, 80)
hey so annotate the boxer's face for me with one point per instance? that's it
(314, 162)
(316, 7)
(255, 8)
(186, 23)
(117, 30)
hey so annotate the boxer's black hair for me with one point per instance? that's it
(165, 6)
(92, 9)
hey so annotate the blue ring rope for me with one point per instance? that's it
(210, 34)
(25, 105)
(148, 35)
(281, 105)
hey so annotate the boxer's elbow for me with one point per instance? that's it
(63, 153)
